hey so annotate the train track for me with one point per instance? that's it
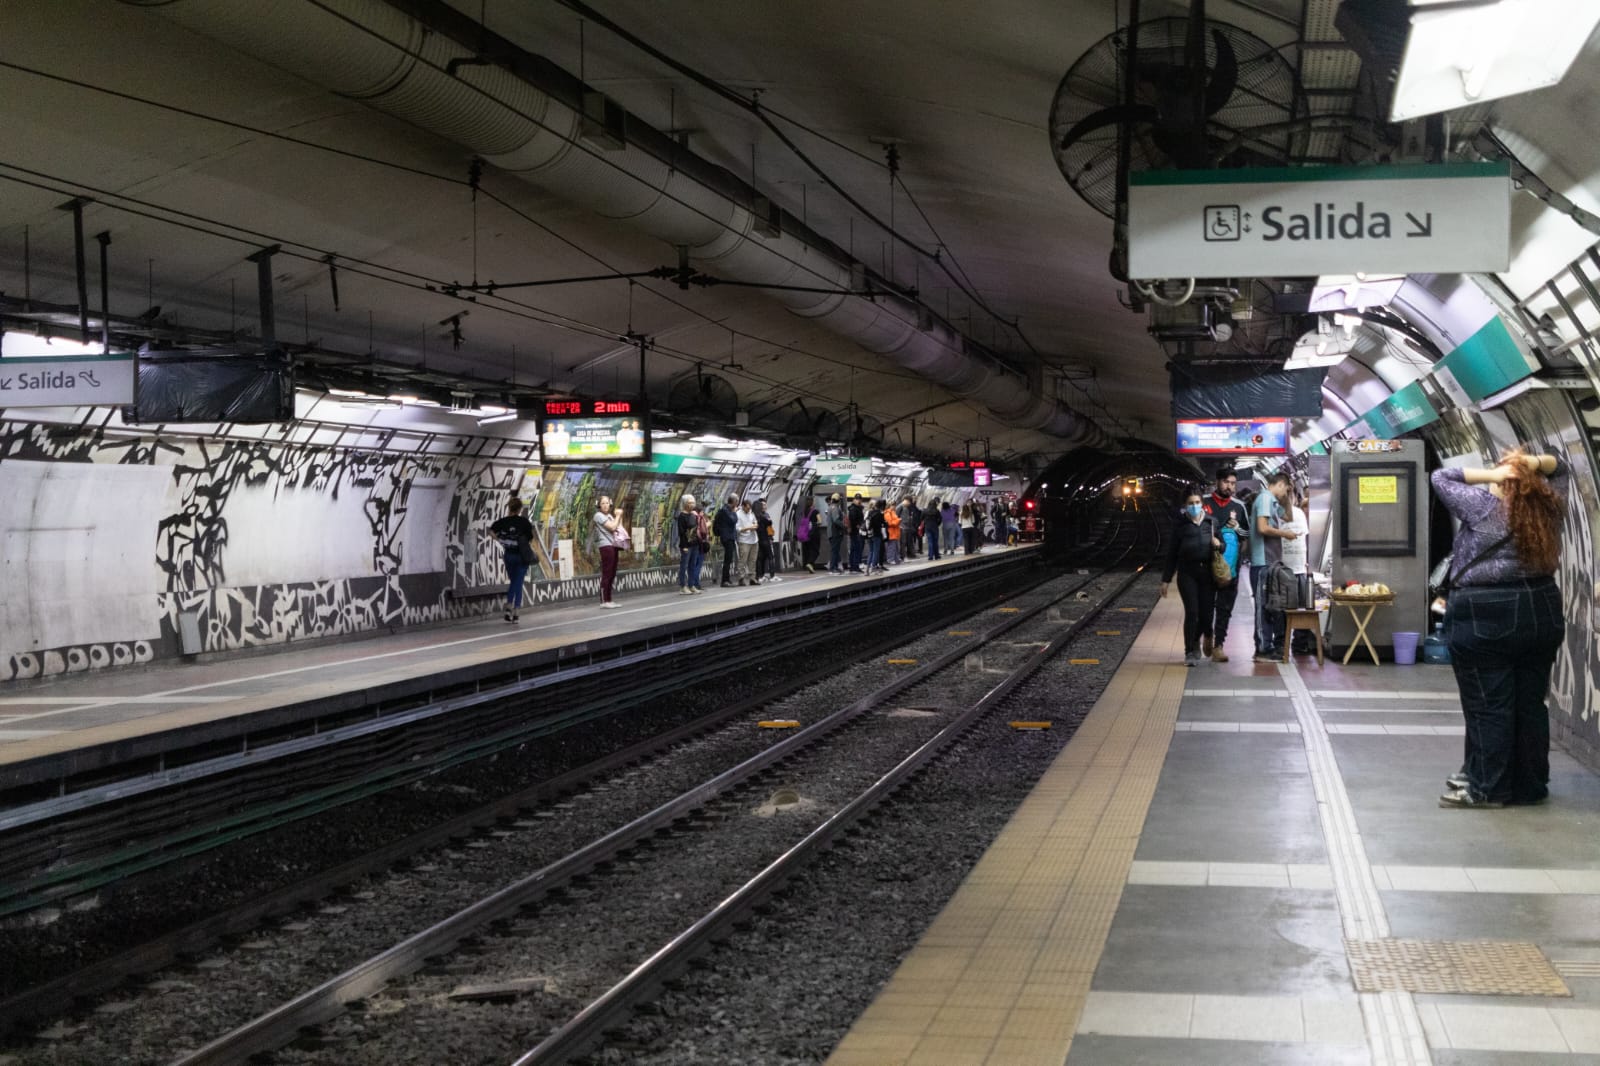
(49, 998)
(704, 808)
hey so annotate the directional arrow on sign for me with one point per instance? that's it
(1423, 229)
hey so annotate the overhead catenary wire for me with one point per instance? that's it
(312, 254)
(435, 176)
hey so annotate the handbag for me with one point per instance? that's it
(621, 539)
(1221, 572)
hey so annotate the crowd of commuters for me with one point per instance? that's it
(862, 536)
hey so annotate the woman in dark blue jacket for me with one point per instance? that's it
(1189, 559)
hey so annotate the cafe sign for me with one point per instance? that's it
(81, 381)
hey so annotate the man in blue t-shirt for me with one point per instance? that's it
(1266, 548)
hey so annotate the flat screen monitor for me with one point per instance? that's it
(594, 431)
(1233, 436)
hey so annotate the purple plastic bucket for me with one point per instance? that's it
(1405, 648)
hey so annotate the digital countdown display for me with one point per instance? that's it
(1233, 436)
(593, 431)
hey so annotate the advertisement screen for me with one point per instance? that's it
(1233, 436)
(593, 431)
(981, 478)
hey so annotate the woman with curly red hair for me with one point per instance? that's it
(1505, 623)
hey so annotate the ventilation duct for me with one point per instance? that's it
(371, 51)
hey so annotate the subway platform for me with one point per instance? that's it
(90, 722)
(1243, 864)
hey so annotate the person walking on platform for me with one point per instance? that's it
(856, 523)
(610, 534)
(725, 527)
(1189, 560)
(515, 534)
(748, 543)
(931, 521)
(1266, 548)
(689, 548)
(1230, 520)
(1505, 623)
(836, 534)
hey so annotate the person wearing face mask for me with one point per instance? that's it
(1189, 560)
(1231, 522)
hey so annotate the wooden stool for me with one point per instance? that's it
(1307, 618)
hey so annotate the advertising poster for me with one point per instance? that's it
(1233, 436)
(613, 438)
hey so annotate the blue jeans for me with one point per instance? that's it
(933, 543)
(856, 544)
(874, 552)
(515, 572)
(1503, 644)
(689, 563)
(835, 552)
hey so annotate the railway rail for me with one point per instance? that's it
(468, 927)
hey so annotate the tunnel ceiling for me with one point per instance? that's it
(962, 93)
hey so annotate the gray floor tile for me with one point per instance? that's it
(1395, 782)
(1233, 710)
(1225, 941)
(1234, 797)
(1145, 1051)
(1492, 916)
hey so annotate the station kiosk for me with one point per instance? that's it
(1379, 528)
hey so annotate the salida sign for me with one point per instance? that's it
(96, 380)
(1320, 220)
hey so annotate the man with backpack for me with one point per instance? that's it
(1267, 536)
(725, 527)
(1231, 521)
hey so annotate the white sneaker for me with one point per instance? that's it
(608, 606)
(777, 579)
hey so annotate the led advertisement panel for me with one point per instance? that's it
(593, 431)
(1233, 436)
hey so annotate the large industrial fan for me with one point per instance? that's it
(695, 394)
(1206, 94)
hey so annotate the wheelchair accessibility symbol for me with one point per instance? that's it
(1222, 223)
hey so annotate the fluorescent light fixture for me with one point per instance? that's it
(1463, 52)
(503, 416)
(403, 398)
(1354, 292)
(29, 345)
(367, 405)
(711, 438)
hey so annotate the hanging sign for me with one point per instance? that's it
(1233, 436)
(1297, 221)
(82, 381)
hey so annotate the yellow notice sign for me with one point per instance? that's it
(1378, 489)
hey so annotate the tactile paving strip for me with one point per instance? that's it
(1460, 967)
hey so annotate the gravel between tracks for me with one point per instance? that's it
(185, 1008)
(784, 991)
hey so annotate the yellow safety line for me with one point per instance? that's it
(1001, 975)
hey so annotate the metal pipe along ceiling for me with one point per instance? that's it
(370, 51)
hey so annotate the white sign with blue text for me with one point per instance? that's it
(76, 381)
(1303, 221)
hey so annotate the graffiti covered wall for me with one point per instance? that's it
(273, 534)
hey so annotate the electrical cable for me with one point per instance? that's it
(402, 167)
